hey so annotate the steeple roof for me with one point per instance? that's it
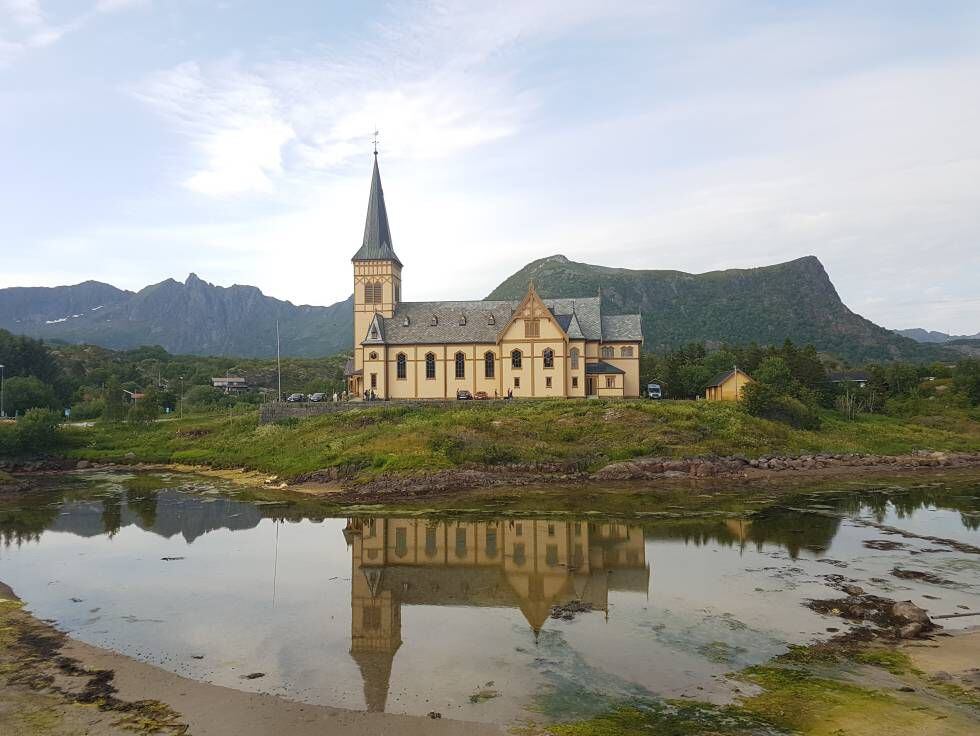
(377, 235)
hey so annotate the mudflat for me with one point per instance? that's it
(54, 685)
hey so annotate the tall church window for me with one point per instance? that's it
(430, 365)
(574, 358)
(515, 359)
(372, 292)
(626, 352)
(532, 328)
(549, 358)
(460, 365)
(401, 367)
(398, 292)
(608, 352)
(488, 364)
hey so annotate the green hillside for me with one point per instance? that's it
(794, 300)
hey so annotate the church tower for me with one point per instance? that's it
(377, 272)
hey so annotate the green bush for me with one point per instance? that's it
(8, 439)
(966, 380)
(85, 410)
(768, 402)
(37, 431)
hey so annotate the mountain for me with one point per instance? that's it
(193, 317)
(931, 336)
(794, 300)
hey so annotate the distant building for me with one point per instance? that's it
(852, 378)
(230, 384)
(727, 386)
(529, 347)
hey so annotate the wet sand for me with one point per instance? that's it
(55, 685)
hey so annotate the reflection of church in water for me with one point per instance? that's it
(524, 563)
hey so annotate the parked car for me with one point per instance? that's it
(318, 396)
(295, 397)
(464, 395)
(653, 391)
(481, 395)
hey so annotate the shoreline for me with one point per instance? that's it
(651, 472)
(55, 684)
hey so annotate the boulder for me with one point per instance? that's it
(906, 612)
(82, 465)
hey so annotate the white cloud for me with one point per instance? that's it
(24, 25)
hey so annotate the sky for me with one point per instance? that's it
(147, 139)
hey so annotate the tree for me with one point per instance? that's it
(966, 380)
(775, 372)
(27, 392)
(115, 409)
(147, 409)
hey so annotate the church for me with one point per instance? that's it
(531, 348)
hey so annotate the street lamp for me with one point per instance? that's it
(180, 398)
(2, 412)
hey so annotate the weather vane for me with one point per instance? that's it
(375, 141)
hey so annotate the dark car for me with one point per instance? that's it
(463, 395)
(295, 397)
(318, 397)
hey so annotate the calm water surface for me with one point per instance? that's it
(417, 614)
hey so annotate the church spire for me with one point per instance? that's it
(377, 235)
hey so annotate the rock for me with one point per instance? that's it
(130, 456)
(82, 465)
(434, 714)
(907, 612)
(910, 631)
(853, 589)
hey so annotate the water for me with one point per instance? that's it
(418, 614)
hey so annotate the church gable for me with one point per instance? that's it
(532, 320)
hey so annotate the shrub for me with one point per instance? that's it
(37, 431)
(84, 410)
(766, 401)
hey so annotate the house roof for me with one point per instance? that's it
(602, 367)
(376, 245)
(722, 377)
(470, 321)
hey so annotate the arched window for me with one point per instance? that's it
(608, 352)
(430, 365)
(460, 365)
(626, 352)
(488, 364)
(549, 358)
(574, 358)
(401, 368)
(515, 358)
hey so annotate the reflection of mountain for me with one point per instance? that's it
(527, 564)
(167, 513)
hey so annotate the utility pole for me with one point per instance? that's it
(278, 364)
(2, 412)
(180, 398)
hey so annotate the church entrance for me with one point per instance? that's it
(590, 386)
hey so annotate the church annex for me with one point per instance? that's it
(534, 347)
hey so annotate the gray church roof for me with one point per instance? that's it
(621, 327)
(481, 321)
(377, 234)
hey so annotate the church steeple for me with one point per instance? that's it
(377, 234)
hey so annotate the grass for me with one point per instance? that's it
(584, 434)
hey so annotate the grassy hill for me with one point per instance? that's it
(794, 300)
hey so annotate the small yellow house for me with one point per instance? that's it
(727, 386)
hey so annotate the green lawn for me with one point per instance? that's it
(589, 434)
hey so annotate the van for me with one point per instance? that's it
(653, 391)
